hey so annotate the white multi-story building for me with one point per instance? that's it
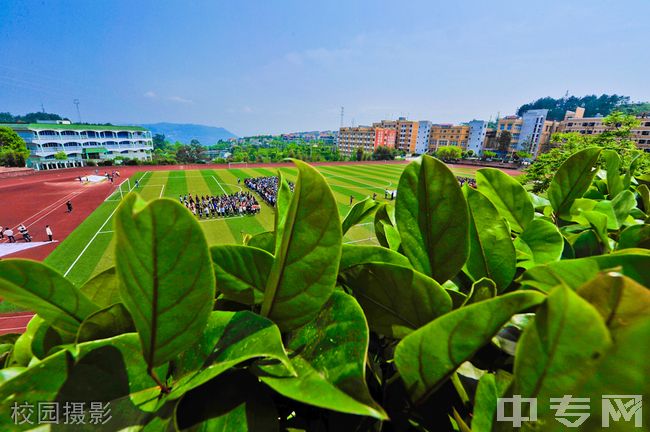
(532, 130)
(81, 143)
(477, 131)
(422, 140)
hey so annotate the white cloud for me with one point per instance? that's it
(179, 99)
(150, 94)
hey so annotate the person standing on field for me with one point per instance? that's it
(2, 235)
(9, 233)
(69, 206)
(48, 232)
(351, 199)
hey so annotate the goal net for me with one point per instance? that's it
(237, 165)
(363, 233)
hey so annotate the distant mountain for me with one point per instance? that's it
(207, 135)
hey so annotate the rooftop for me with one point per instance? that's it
(73, 126)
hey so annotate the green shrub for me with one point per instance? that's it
(296, 330)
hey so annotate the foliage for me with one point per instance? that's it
(449, 152)
(615, 138)
(489, 154)
(383, 153)
(503, 141)
(295, 330)
(34, 117)
(603, 105)
(13, 150)
(60, 155)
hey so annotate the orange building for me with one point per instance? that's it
(442, 135)
(385, 137)
(406, 132)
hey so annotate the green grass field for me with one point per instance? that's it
(90, 248)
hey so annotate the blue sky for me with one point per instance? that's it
(279, 66)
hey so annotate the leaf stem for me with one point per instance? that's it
(163, 387)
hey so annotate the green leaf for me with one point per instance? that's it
(586, 244)
(632, 263)
(22, 353)
(283, 205)
(607, 209)
(490, 388)
(572, 180)
(111, 321)
(635, 236)
(598, 222)
(560, 348)
(229, 339)
(491, 251)
(264, 240)
(396, 300)
(620, 300)
(307, 255)
(353, 255)
(508, 196)
(37, 287)
(644, 193)
(166, 278)
(360, 211)
(432, 219)
(482, 289)
(540, 243)
(329, 355)
(623, 204)
(385, 227)
(241, 272)
(614, 179)
(539, 203)
(46, 338)
(429, 355)
(235, 401)
(103, 288)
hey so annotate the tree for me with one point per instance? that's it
(359, 153)
(488, 154)
(616, 137)
(449, 152)
(13, 150)
(383, 153)
(60, 155)
(522, 155)
(603, 104)
(503, 141)
(159, 141)
(189, 153)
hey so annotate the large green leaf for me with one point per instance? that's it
(540, 243)
(37, 287)
(241, 272)
(560, 348)
(614, 179)
(620, 300)
(385, 227)
(572, 180)
(307, 253)
(644, 194)
(166, 277)
(491, 252)
(508, 196)
(429, 355)
(432, 218)
(105, 323)
(230, 338)
(264, 240)
(103, 288)
(360, 211)
(633, 263)
(354, 255)
(598, 223)
(110, 370)
(635, 236)
(623, 203)
(396, 300)
(329, 355)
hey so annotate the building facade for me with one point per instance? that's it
(81, 143)
(476, 140)
(529, 132)
(407, 133)
(575, 122)
(385, 137)
(351, 138)
(422, 140)
(448, 135)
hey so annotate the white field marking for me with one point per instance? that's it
(17, 316)
(119, 187)
(162, 189)
(96, 234)
(55, 204)
(51, 210)
(326, 174)
(237, 186)
(15, 328)
(215, 179)
(106, 232)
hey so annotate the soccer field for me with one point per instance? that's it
(90, 248)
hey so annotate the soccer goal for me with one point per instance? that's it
(232, 165)
(363, 233)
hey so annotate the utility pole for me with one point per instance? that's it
(42, 108)
(342, 115)
(76, 102)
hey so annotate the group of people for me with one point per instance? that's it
(466, 180)
(266, 187)
(8, 233)
(237, 204)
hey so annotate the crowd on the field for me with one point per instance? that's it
(466, 180)
(210, 206)
(266, 187)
